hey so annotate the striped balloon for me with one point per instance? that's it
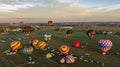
(46, 36)
(64, 49)
(15, 46)
(28, 50)
(33, 43)
(70, 59)
(42, 45)
(105, 45)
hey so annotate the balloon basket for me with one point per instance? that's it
(9, 52)
(30, 60)
(103, 53)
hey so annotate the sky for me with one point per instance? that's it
(59, 10)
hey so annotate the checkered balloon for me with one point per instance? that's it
(105, 45)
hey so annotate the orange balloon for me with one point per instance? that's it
(64, 49)
(42, 45)
(15, 45)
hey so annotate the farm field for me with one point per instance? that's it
(111, 59)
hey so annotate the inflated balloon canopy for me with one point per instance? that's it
(105, 45)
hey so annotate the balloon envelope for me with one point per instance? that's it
(64, 49)
(49, 55)
(50, 22)
(34, 43)
(15, 46)
(64, 36)
(62, 60)
(105, 45)
(46, 36)
(76, 44)
(70, 59)
(28, 50)
(69, 32)
(90, 33)
(42, 45)
(27, 30)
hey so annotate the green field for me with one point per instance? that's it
(111, 59)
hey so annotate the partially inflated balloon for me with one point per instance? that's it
(70, 59)
(15, 46)
(64, 49)
(90, 33)
(62, 60)
(105, 45)
(76, 44)
(49, 55)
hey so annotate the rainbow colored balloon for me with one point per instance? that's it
(105, 45)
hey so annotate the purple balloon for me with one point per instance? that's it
(64, 36)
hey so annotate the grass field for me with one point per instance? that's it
(110, 59)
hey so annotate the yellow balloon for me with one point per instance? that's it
(15, 45)
(42, 45)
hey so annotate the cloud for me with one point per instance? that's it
(59, 10)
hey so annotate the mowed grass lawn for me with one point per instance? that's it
(110, 59)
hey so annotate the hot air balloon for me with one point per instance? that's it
(49, 55)
(28, 50)
(33, 43)
(27, 30)
(14, 23)
(64, 36)
(76, 44)
(46, 36)
(64, 49)
(42, 45)
(15, 46)
(50, 22)
(105, 45)
(62, 60)
(21, 22)
(30, 42)
(70, 59)
(69, 32)
(90, 33)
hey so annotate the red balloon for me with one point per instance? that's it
(76, 44)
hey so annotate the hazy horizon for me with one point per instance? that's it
(59, 11)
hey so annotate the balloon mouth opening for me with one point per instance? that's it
(63, 46)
